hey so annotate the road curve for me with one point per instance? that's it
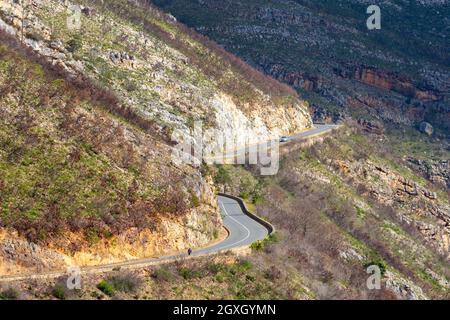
(242, 232)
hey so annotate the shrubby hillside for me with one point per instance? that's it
(399, 74)
(88, 110)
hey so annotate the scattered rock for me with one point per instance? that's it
(122, 58)
(351, 254)
(321, 115)
(57, 45)
(403, 288)
(440, 279)
(89, 12)
(371, 127)
(435, 171)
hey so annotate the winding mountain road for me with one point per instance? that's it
(242, 229)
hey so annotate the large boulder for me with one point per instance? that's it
(426, 128)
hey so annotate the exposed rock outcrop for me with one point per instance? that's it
(404, 289)
(413, 204)
(263, 118)
(388, 81)
(435, 171)
(159, 82)
(371, 127)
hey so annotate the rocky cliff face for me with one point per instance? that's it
(151, 76)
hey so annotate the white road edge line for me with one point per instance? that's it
(248, 231)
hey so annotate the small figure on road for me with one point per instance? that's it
(189, 251)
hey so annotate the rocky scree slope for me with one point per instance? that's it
(87, 117)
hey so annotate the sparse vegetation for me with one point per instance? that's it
(75, 43)
(205, 54)
(262, 245)
(380, 263)
(162, 274)
(321, 213)
(107, 182)
(59, 292)
(123, 282)
(9, 294)
(83, 161)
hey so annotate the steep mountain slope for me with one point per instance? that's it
(380, 192)
(345, 204)
(86, 125)
(159, 69)
(77, 179)
(86, 177)
(324, 49)
(337, 209)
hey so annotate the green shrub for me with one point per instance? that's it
(9, 294)
(205, 170)
(244, 195)
(195, 201)
(250, 278)
(124, 282)
(222, 175)
(59, 292)
(220, 278)
(106, 287)
(245, 265)
(215, 267)
(380, 263)
(188, 274)
(257, 199)
(257, 245)
(75, 43)
(163, 274)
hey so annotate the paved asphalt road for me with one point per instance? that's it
(317, 130)
(243, 230)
